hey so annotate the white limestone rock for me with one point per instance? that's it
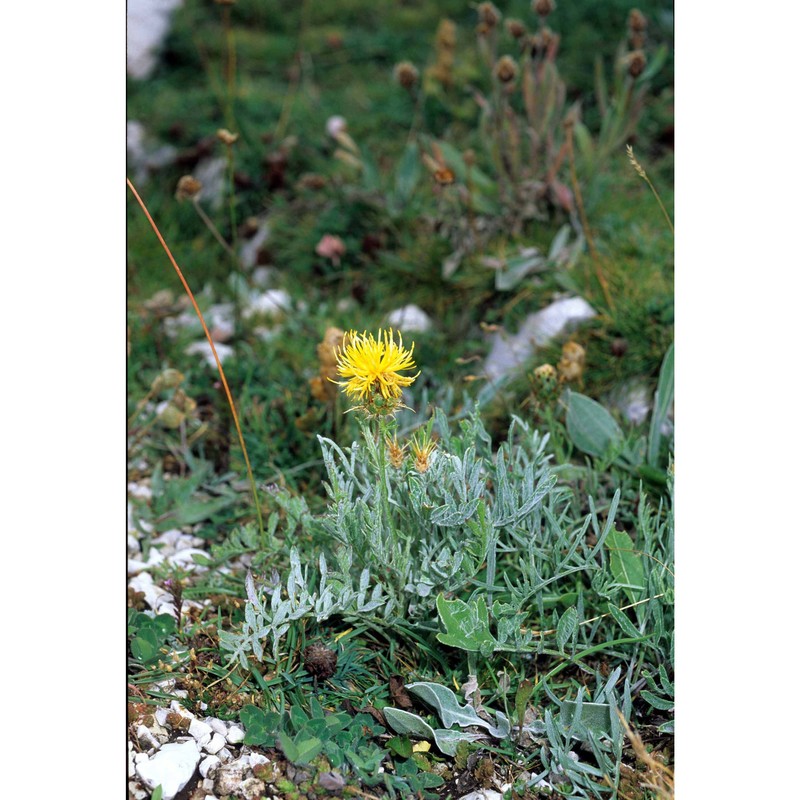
(235, 735)
(172, 768)
(215, 744)
(408, 319)
(510, 352)
(148, 23)
(209, 766)
(203, 348)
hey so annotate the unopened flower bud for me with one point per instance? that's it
(515, 28)
(637, 21)
(505, 70)
(636, 62)
(406, 74)
(488, 14)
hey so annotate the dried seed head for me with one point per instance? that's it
(319, 661)
(636, 62)
(226, 137)
(488, 15)
(446, 35)
(224, 2)
(637, 22)
(188, 188)
(543, 7)
(406, 74)
(573, 360)
(505, 70)
(331, 343)
(515, 28)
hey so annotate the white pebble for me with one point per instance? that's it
(145, 737)
(217, 725)
(215, 744)
(235, 735)
(209, 765)
(409, 318)
(200, 731)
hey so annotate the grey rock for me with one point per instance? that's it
(252, 789)
(148, 22)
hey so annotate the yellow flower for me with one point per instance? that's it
(371, 369)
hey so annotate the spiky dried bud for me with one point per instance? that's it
(224, 2)
(543, 7)
(636, 62)
(548, 37)
(573, 360)
(188, 188)
(505, 70)
(395, 451)
(637, 21)
(226, 137)
(515, 28)
(535, 45)
(488, 15)
(319, 661)
(406, 74)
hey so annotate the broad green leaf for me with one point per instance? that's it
(400, 746)
(566, 627)
(407, 723)
(466, 625)
(665, 391)
(591, 428)
(158, 793)
(626, 565)
(524, 692)
(596, 717)
(444, 700)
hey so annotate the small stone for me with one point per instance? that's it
(225, 755)
(199, 730)
(271, 303)
(252, 789)
(161, 715)
(215, 744)
(217, 725)
(171, 768)
(209, 766)
(146, 738)
(136, 791)
(208, 785)
(409, 318)
(229, 777)
(203, 348)
(235, 735)
(332, 781)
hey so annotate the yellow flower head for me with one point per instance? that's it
(371, 370)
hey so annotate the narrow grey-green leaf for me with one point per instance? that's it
(566, 627)
(661, 404)
(627, 626)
